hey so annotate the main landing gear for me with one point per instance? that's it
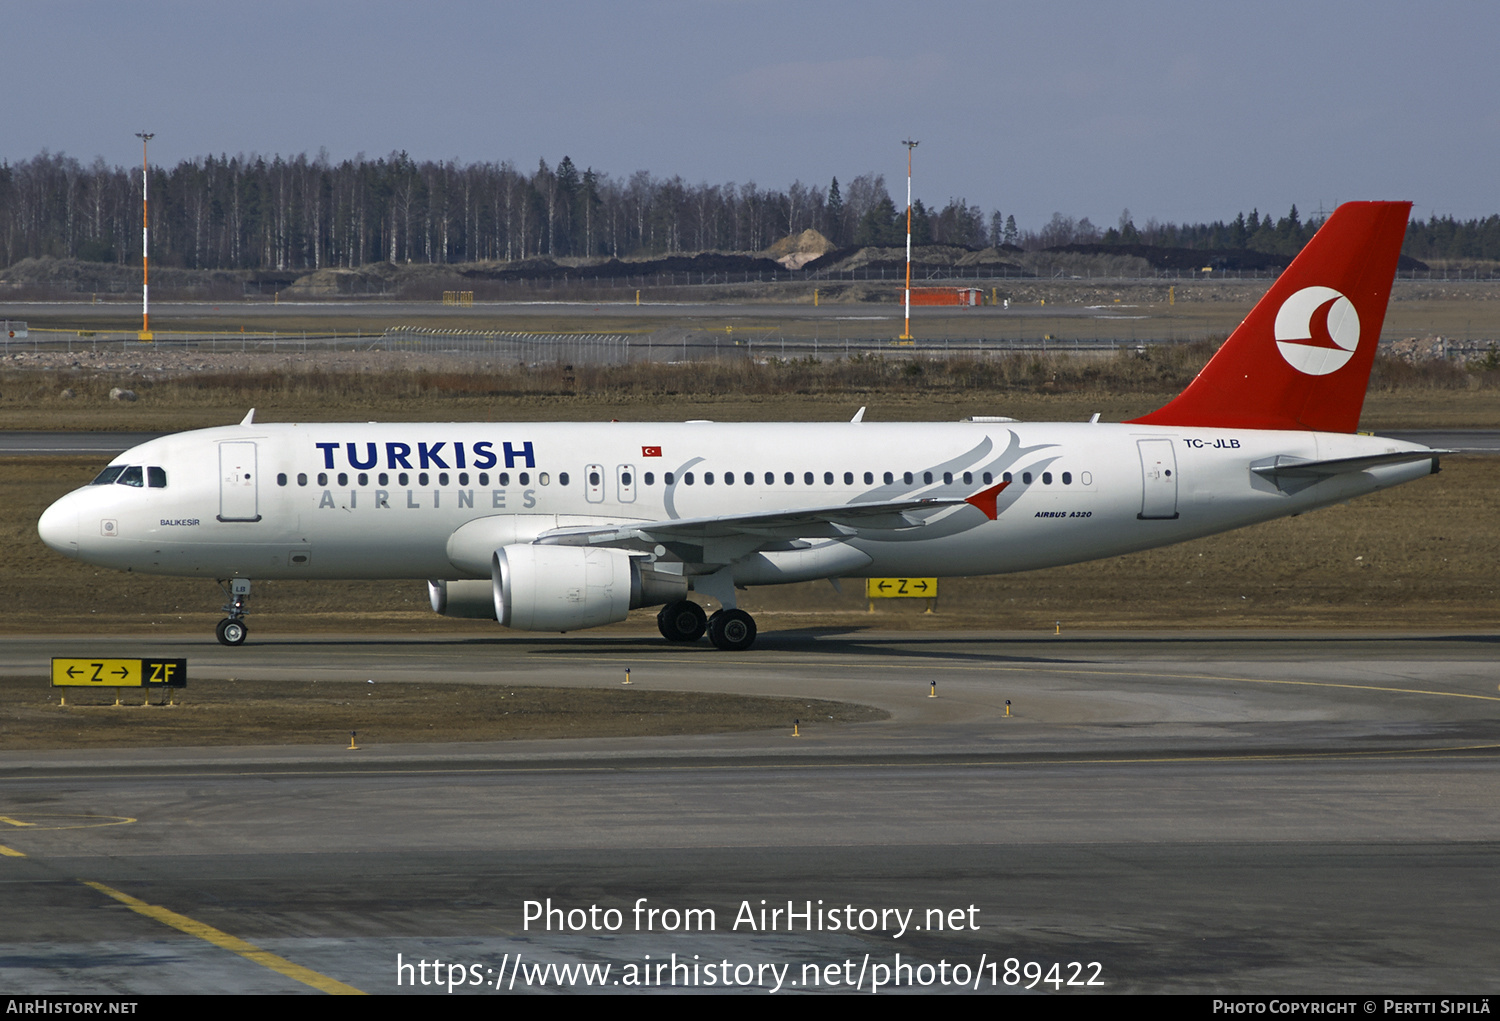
(685, 621)
(231, 630)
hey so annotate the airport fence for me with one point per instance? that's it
(669, 345)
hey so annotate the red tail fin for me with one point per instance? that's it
(1302, 357)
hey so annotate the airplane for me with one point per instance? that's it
(561, 527)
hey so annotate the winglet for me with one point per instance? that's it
(859, 416)
(249, 418)
(985, 500)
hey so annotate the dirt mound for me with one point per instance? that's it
(796, 250)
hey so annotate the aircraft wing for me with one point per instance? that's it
(747, 532)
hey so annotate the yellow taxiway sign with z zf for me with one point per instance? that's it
(119, 673)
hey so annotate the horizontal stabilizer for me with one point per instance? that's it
(1300, 470)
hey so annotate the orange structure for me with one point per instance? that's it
(947, 296)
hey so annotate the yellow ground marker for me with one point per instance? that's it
(11, 852)
(209, 934)
(14, 822)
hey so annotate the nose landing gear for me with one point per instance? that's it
(231, 630)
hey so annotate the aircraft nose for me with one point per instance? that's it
(58, 527)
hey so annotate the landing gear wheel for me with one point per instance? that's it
(682, 621)
(731, 630)
(231, 632)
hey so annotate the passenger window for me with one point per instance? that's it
(828, 478)
(302, 478)
(484, 478)
(343, 478)
(132, 477)
(625, 479)
(906, 478)
(503, 479)
(729, 478)
(1026, 478)
(770, 478)
(108, 475)
(889, 478)
(442, 478)
(807, 478)
(385, 479)
(402, 479)
(1046, 478)
(322, 478)
(708, 478)
(687, 477)
(848, 478)
(1008, 477)
(1067, 478)
(281, 478)
(463, 478)
(545, 479)
(422, 479)
(562, 478)
(524, 478)
(790, 479)
(968, 478)
(927, 478)
(988, 478)
(364, 478)
(650, 478)
(156, 478)
(749, 478)
(947, 478)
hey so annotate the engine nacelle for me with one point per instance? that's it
(474, 600)
(567, 588)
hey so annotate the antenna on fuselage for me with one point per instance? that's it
(249, 418)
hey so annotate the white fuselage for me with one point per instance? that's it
(392, 500)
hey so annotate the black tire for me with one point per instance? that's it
(682, 621)
(731, 630)
(231, 631)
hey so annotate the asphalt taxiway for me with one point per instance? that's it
(1189, 812)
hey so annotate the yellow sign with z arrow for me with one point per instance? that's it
(119, 673)
(901, 588)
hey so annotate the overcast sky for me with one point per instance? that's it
(1185, 111)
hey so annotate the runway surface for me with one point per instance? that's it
(1160, 812)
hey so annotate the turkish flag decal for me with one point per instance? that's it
(651, 452)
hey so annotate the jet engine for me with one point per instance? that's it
(566, 588)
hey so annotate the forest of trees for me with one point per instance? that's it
(301, 213)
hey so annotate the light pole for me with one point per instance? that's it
(910, 145)
(145, 137)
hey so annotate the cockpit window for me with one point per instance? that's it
(156, 477)
(132, 476)
(108, 475)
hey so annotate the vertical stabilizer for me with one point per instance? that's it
(1302, 357)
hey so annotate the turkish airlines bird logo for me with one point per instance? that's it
(1317, 330)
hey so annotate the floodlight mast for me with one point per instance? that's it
(906, 332)
(145, 138)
